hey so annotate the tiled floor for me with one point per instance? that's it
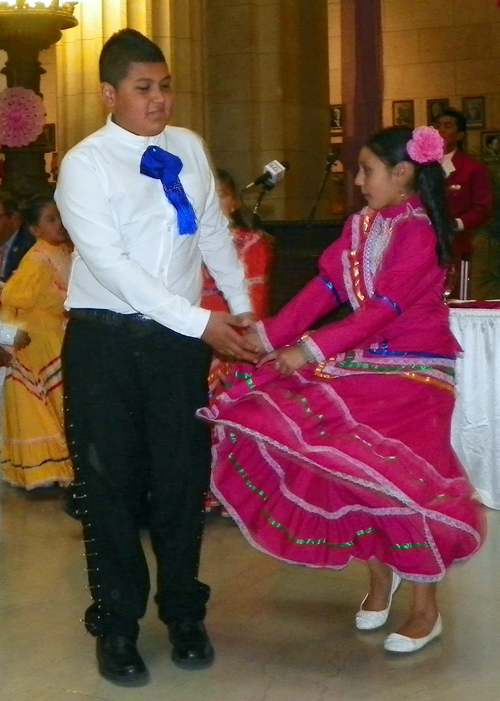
(281, 633)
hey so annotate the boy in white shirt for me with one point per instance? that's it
(138, 199)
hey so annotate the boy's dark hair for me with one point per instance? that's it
(10, 204)
(459, 117)
(33, 208)
(390, 146)
(123, 48)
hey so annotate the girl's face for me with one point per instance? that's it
(49, 227)
(381, 185)
(228, 200)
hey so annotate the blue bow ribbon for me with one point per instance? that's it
(165, 166)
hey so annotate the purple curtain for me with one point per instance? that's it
(362, 84)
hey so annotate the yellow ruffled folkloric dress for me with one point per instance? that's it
(34, 451)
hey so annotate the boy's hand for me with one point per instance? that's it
(221, 333)
(21, 339)
(256, 341)
(5, 358)
(248, 316)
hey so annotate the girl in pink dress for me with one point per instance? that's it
(337, 446)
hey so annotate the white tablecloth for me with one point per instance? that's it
(475, 432)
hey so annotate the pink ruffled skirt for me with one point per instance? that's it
(320, 471)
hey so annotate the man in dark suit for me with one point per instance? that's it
(15, 240)
(469, 191)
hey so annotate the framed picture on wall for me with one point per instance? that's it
(336, 119)
(474, 111)
(435, 109)
(490, 143)
(403, 113)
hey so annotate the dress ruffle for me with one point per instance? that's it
(320, 472)
(34, 450)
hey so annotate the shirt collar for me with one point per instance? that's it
(135, 140)
(447, 163)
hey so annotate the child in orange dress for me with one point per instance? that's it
(255, 250)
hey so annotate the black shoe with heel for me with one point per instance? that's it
(192, 648)
(120, 662)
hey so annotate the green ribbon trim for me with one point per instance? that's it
(307, 541)
(247, 376)
(392, 369)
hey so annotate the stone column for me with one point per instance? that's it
(79, 110)
(268, 96)
(178, 28)
(362, 84)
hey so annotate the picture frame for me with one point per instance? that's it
(403, 113)
(336, 119)
(435, 109)
(49, 137)
(490, 143)
(474, 109)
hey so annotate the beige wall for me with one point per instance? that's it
(434, 49)
(267, 91)
(174, 24)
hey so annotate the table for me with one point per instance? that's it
(475, 430)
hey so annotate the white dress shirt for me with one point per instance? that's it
(129, 256)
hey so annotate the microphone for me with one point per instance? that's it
(273, 173)
(332, 157)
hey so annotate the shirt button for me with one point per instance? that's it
(169, 228)
(162, 270)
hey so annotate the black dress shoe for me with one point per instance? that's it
(120, 662)
(192, 648)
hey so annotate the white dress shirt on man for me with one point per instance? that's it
(129, 256)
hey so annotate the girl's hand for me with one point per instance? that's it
(21, 339)
(267, 358)
(288, 360)
(5, 358)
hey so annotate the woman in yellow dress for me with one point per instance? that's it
(34, 452)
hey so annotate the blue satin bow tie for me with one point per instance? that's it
(165, 166)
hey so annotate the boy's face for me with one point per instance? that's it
(448, 128)
(142, 102)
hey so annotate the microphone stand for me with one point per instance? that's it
(331, 159)
(256, 220)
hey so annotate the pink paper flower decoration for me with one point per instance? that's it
(426, 145)
(22, 116)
